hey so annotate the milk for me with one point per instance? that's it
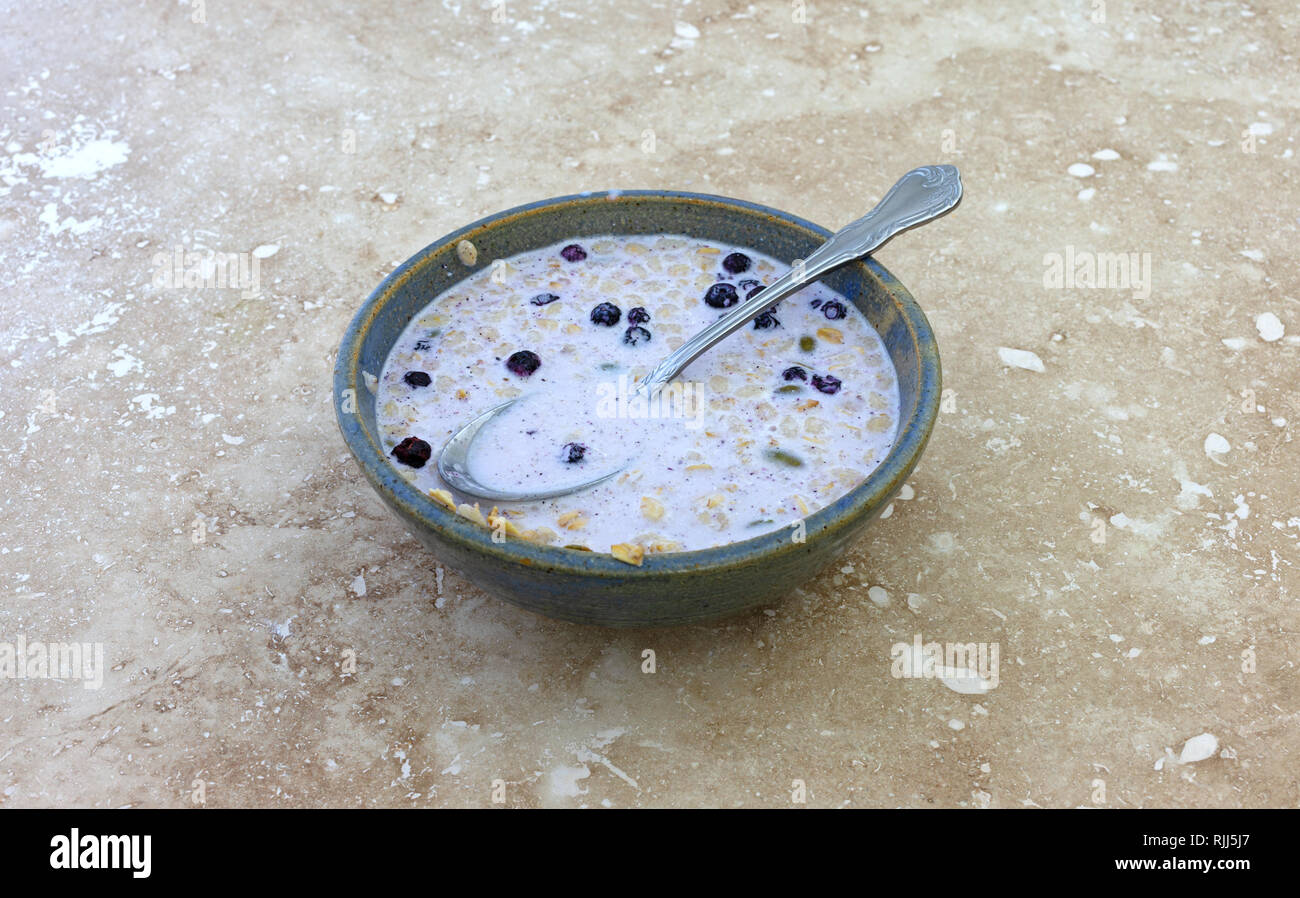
(733, 448)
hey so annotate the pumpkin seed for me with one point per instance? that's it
(785, 458)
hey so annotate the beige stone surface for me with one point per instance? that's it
(174, 486)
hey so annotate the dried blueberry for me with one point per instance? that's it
(834, 310)
(826, 383)
(736, 263)
(747, 284)
(417, 378)
(606, 313)
(636, 334)
(572, 453)
(766, 320)
(543, 299)
(757, 290)
(637, 316)
(721, 296)
(412, 451)
(794, 372)
(524, 362)
(573, 253)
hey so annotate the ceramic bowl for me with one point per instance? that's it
(667, 589)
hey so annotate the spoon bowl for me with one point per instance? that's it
(453, 464)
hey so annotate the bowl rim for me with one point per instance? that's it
(864, 499)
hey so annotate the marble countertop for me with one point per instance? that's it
(1110, 497)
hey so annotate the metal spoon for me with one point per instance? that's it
(921, 195)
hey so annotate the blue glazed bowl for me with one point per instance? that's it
(668, 589)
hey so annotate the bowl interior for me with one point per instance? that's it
(403, 294)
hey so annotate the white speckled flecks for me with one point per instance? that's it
(272, 633)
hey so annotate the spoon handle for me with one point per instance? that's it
(922, 194)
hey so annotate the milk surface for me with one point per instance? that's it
(765, 428)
